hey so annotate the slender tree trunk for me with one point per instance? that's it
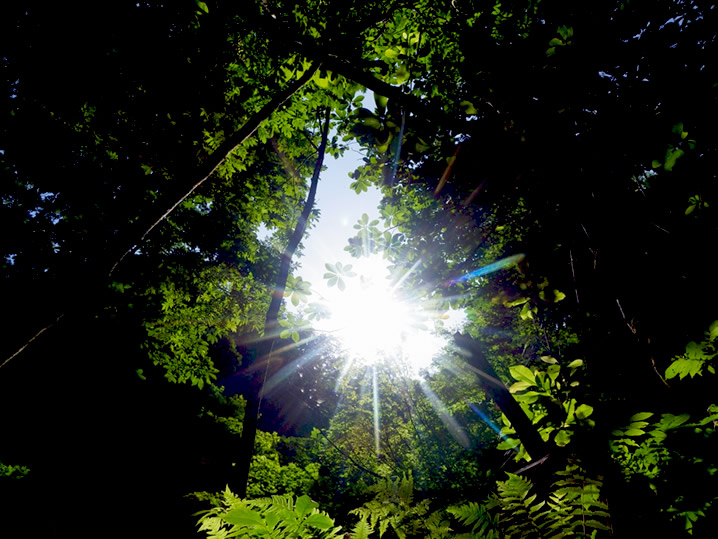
(253, 395)
(500, 394)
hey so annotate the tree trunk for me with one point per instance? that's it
(264, 356)
(497, 391)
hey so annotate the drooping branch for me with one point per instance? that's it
(215, 159)
(266, 346)
(184, 189)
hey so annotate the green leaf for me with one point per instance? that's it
(469, 107)
(556, 42)
(672, 155)
(683, 367)
(521, 373)
(670, 421)
(320, 81)
(634, 432)
(583, 411)
(565, 31)
(563, 437)
(576, 363)
(304, 505)
(713, 330)
(597, 525)
(373, 123)
(242, 516)
(516, 302)
(392, 54)
(508, 444)
(320, 521)
(549, 359)
(402, 74)
(380, 100)
(640, 416)
(520, 386)
(202, 6)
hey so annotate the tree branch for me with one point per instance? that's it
(201, 174)
(216, 158)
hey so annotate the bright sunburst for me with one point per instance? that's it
(374, 322)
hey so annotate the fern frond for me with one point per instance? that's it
(361, 530)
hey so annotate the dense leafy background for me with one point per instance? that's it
(575, 140)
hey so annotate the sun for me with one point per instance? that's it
(374, 321)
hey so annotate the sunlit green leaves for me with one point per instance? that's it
(469, 107)
(195, 315)
(278, 516)
(360, 184)
(202, 6)
(336, 273)
(565, 33)
(549, 399)
(695, 202)
(697, 357)
(672, 155)
(298, 290)
(583, 411)
(522, 373)
(316, 311)
(292, 326)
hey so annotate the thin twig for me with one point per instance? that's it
(32, 339)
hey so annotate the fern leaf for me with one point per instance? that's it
(361, 530)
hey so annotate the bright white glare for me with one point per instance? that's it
(374, 323)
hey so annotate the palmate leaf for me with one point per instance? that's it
(298, 289)
(336, 272)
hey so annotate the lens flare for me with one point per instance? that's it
(490, 268)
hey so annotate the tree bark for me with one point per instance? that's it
(264, 355)
(497, 391)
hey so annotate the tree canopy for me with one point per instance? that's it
(548, 168)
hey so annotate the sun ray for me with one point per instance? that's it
(286, 370)
(377, 422)
(348, 364)
(456, 431)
